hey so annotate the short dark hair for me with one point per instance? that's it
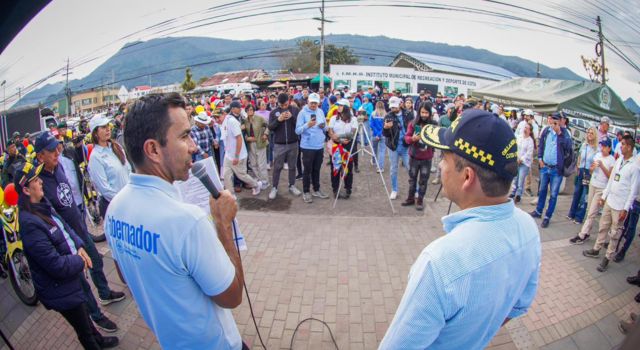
(283, 98)
(148, 118)
(492, 184)
(629, 139)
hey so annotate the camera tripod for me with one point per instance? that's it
(361, 131)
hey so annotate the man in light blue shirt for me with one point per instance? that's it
(465, 285)
(184, 274)
(310, 126)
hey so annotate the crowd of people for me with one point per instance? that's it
(296, 130)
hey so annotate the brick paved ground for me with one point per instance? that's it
(351, 270)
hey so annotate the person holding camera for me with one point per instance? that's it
(588, 151)
(342, 127)
(310, 126)
(420, 156)
(394, 129)
(282, 125)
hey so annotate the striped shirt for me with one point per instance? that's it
(465, 284)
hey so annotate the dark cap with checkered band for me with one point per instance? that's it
(479, 137)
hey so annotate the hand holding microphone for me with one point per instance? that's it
(223, 206)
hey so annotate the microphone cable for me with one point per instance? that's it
(253, 317)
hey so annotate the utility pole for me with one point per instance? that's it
(322, 46)
(67, 91)
(538, 75)
(19, 93)
(322, 21)
(600, 52)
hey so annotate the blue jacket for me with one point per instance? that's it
(311, 138)
(58, 191)
(56, 272)
(368, 107)
(376, 123)
(564, 145)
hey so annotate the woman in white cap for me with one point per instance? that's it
(108, 166)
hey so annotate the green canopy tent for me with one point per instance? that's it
(316, 79)
(580, 99)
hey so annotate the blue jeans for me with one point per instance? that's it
(380, 148)
(523, 171)
(97, 273)
(394, 157)
(579, 203)
(549, 177)
(629, 231)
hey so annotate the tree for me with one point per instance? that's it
(593, 68)
(306, 57)
(202, 80)
(188, 84)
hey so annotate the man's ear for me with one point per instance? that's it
(152, 151)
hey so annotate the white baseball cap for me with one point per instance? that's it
(344, 102)
(394, 102)
(528, 112)
(314, 98)
(98, 120)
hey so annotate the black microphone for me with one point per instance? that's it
(199, 170)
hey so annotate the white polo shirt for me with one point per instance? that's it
(170, 256)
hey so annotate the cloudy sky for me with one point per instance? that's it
(88, 32)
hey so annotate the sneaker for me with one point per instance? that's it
(265, 185)
(517, 199)
(113, 297)
(625, 327)
(109, 342)
(339, 195)
(379, 170)
(319, 194)
(306, 197)
(545, 223)
(604, 264)
(268, 166)
(357, 170)
(273, 193)
(347, 194)
(577, 240)
(633, 280)
(106, 325)
(299, 177)
(419, 204)
(576, 222)
(408, 202)
(393, 195)
(286, 166)
(591, 253)
(535, 214)
(435, 182)
(294, 191)
(256, 190)
(568, 217)
(618, 258)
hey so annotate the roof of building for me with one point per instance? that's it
(244, 76)
(455, 65)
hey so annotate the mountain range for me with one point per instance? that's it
(162, 61)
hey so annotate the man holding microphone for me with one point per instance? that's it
(184, 272)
